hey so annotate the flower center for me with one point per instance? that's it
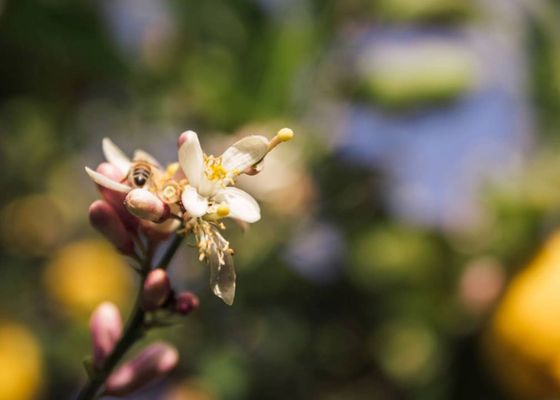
(170, 192)
(214, 169)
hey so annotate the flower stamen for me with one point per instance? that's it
(223, 210)
(211, 245)
(283, 135)
(214, 170)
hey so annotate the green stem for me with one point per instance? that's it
(134, 330)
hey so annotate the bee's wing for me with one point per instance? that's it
(141, 155)
(222, 277)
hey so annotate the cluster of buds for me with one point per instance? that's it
(158, 296)
(156, 360)
(150, 365)
(145, 202)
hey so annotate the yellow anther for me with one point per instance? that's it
(285, 134)
(223, 210)
(215, 171)
(172, 168)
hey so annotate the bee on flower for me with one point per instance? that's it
(136, 172)
(193, 195)
(142, 180)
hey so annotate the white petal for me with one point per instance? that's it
(194, 203)
(245, 153)
(241, 205)
(207, 188)
(191, 158)
(141, 155)
(115, 156)
(102, 180)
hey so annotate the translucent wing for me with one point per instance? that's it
(222, 277)
(141, 155)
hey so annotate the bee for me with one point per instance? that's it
(140, 174)
(146, 173)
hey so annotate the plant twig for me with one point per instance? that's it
(134, 330)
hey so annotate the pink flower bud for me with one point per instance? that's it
(152, 364)
(105, 327)
(186, 302)
(145, 205)
(105, 219)
(116, 199)
(157, 289)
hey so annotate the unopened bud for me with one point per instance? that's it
(105, 327)
(157, 289)
(185, 303)
(105, 219)
(151, 365)
(116, 199)
(145, 205)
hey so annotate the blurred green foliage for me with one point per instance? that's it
(443, 11)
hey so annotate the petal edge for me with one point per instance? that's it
(108, 183)
(115, 156)
(242, 205)
(191, 158)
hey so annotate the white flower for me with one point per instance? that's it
(208, 191)
(155, 194)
